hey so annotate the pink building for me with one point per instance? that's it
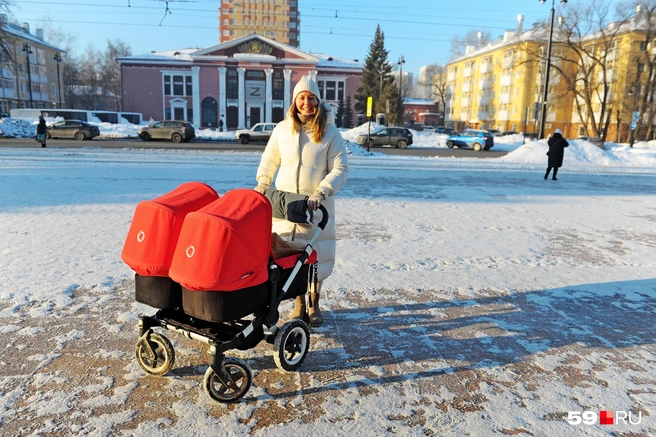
(244, 81)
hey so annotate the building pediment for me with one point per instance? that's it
(254, 45)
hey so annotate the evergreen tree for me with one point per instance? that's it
(376, 75)
(348, 111)
(340, 113)
(395, 116)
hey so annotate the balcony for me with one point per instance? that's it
(503, 115)
(486, 68)
(468, 72)
(505, 80)
(466, 87)
(507, 63)
(465, 101)
(504, 98)
(451, 76)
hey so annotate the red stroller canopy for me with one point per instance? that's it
(150, 243)
(225, 246)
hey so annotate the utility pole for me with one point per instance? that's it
(28, 51)
(58, 58)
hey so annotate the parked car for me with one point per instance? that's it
(594, 140)
(392, 136)
(445, 130)
(80, 130)
(494, 132)
(175, 130)
(474, 138)
(259, 132)
(429, 129)
(508, 132)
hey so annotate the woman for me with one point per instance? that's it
(556, 152)
(310, 156)
(41, 131)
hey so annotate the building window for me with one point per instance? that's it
(188, 85)
(330, 90)
(278, 85)
(340, 91)
(167, 85)
(178, 86)
(233, 85)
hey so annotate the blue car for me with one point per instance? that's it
(474, 138)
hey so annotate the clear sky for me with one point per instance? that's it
(420, 30)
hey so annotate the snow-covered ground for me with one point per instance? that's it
(469, 297)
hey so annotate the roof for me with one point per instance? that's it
(18, 31)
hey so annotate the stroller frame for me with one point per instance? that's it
(227, 379)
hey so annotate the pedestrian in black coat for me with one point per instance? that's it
(41, 130)
(556, 152)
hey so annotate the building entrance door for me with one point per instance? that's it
(254, 115)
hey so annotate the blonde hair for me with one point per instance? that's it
(317, 123)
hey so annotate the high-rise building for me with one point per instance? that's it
(278, 20)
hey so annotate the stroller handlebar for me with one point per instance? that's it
(324, 217)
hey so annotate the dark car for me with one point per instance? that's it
(80, 130)
(594, 140)
(392, 136)
(474, 138)
(174, 130)
(445, 130)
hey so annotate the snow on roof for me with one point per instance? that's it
(333, 62)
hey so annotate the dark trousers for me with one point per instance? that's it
(555, 169)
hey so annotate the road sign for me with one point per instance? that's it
(636, 117)
(369, 105)
(633, 125)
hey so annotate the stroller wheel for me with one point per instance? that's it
(155, 354)
(292, 345)
(240, 375)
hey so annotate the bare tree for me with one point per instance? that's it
(6, 42)
(476, 38)
(110, 73)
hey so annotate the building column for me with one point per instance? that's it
(288, 89)
(222, 96)
(268, 112)
(195, 99)
(242, 98)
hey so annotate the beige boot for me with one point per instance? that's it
(299, 311)
(316, 319)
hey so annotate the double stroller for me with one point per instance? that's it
(206, 263)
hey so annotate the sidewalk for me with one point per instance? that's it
(429, 366)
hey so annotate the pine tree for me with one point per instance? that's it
(340, 113)
(348, 111)
(376, 75)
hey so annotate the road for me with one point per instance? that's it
(121, 143)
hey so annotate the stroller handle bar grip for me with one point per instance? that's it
(324, 217)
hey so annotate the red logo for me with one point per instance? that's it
(605, 417)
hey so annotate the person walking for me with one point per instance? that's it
(556, 152)
(310, 156)
(221, 125)
(41, 131)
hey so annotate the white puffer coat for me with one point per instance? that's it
(305, 167)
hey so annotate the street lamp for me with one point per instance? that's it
(28, 51)
(545, 91)
(381, 71)
(58, 58)
(635, 115)
(401, 62)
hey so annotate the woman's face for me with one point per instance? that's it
(306, 103)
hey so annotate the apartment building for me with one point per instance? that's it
(31, 76)
(500, 86)
(278, 20)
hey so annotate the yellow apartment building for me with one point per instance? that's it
(500, 85)
(278, 20)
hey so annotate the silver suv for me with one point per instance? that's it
(174, 130)
(259, 132)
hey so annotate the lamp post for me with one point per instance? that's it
(381, 71)
(545, 91)
(58, 58)
(401, 62)
(635, 116)
(28, 51)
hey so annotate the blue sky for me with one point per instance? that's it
(420, 30)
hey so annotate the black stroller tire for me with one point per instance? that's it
(241, 374)
(291, 345)
(164, 355)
